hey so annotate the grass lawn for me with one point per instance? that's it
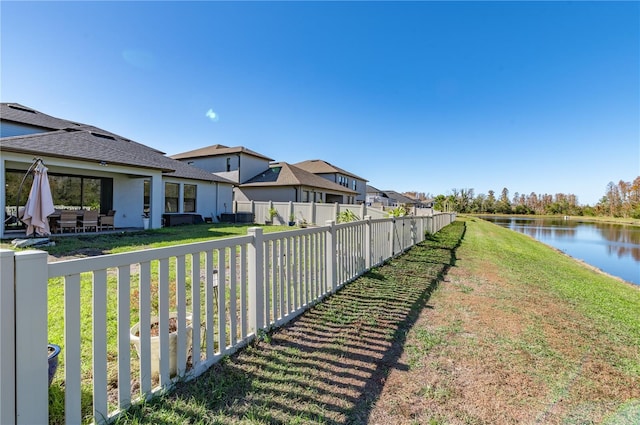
(112, 243)
(477, 325)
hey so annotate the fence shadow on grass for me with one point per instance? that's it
(329, 366)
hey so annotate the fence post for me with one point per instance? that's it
(336, 210)
(291, 212)
(255, 254)
(367, 242)
(312, 206)
(363, 210)
(32, 390)
(414, 230)
(331, 260)
(7, 339)
(393, 234)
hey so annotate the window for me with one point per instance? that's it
(91, 193)
(228, 164)
(189, 198)
(171, 197)
(305, 196)
(68, 192)
(354, 185)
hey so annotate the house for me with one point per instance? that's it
(337, 175)
(237, 164)
(376, 197)
(93, 168)
(283, 182)
(398, 199)
(258, 178)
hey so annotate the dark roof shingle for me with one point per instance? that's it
(284, 174)
(318, 166)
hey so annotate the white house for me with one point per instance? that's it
(91, 168)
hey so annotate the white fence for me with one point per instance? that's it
(310, 212)
(223, 293)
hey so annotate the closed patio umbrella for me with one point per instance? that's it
(39, 206)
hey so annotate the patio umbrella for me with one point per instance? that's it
(39, 206)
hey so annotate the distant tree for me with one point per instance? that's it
(439, 203)
(490, 203)
(504, 205)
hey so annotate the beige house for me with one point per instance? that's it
(237, 164)
(337, 175)
(257, 178)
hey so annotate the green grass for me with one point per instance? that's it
(127, 241)
(610, 304)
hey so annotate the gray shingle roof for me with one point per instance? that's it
(22, 114)
(400, 198)
(371, 189)
(284, 174)
(215, 150)
(318, 166)
(87, 143)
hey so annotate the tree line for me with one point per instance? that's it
(621, 199)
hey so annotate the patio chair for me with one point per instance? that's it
(106, 221)
(89, 220)
(68, 220)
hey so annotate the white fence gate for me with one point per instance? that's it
(222, 293)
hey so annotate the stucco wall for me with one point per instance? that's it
(280, 194)
(250, 166)
(128, 201)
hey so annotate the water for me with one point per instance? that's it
(613, 248)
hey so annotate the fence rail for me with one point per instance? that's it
(218, 295)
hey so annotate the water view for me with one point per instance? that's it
(613, 248)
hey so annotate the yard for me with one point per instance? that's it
(476, 325)
(463, 329)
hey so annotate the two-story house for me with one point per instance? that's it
(257, 178)
(339, 176)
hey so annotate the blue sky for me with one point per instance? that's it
(534, 96)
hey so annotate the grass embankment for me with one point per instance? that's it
(515, 333)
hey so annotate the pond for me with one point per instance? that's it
(613, 248)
